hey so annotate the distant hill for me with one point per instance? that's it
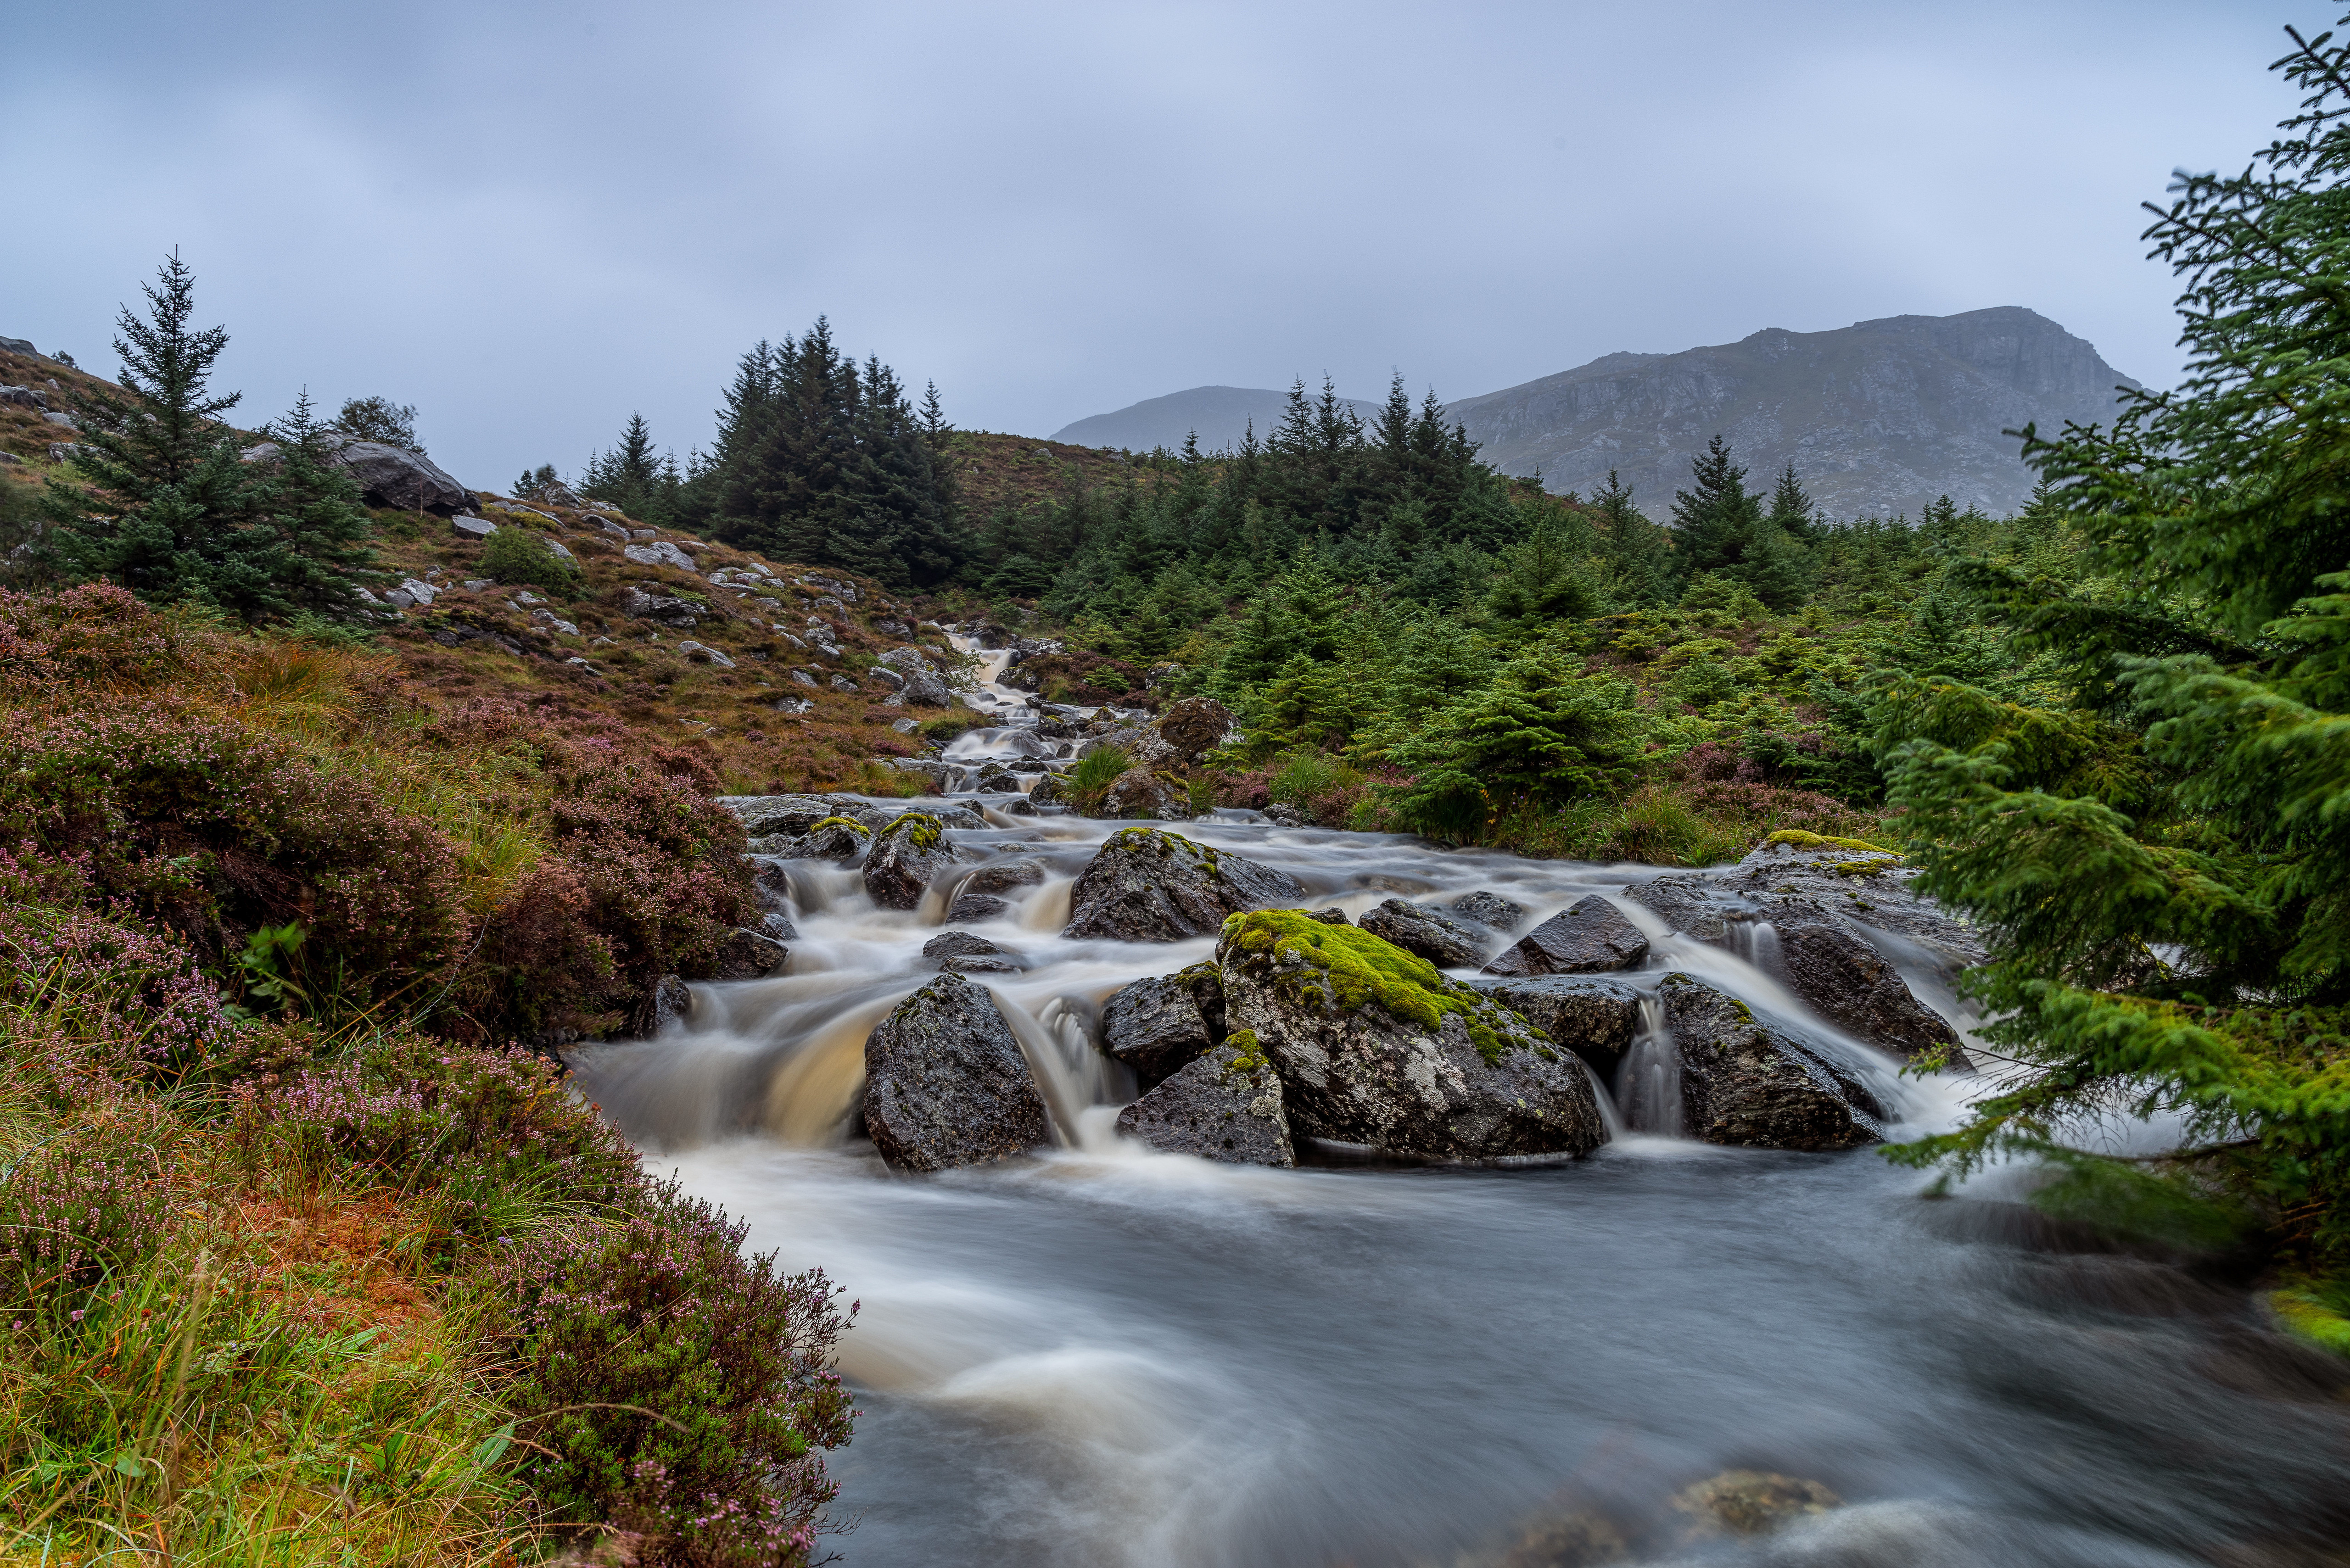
(1879, 417)
(1219, 414)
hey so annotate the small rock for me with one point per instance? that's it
(843, 683)
(1416, 929)
(907, 856)
(905, 726)
(1281, 814)
(668, 1007)
(961, 952)
(1154, 1026)
(1490, 909)
(1746, 1503)
(701, 652)
(1225, 1106)
(475, 585)
(660, 553)
(1588, 935)
(971, 908)
(1136, 795)
(746, 954)
(1148, 886)
(946, 1084)
(802, 676)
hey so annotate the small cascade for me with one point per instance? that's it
(1648, 1081)
(1756, 941)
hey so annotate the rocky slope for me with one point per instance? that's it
(1879, 417)
(1218, 415)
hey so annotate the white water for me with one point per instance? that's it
(1108, 1356)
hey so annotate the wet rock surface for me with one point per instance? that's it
(1490, 909)
(1860, 883)
(1594, 1018)
(906, 856)
(1588, 937)
(1375, 1047)
(1756, 1082)
(1148, 886)
(1141, 795)
(961, 952)
(1841, 975)
(1155, 1026)
(747, 954)
(1427, 933)
(946, 1084)
(1225, 1105)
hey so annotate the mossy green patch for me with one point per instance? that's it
(851, 823)
(1863, 868)
(1797, 839)
(1249, 1059)
(2309, 1316)
(922, 830)
(1348, 967)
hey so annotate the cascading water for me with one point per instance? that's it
(1104, 1356)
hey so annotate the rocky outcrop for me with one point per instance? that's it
(946, 1084)
(1155, 1026)
(386, 475)
(1140, 794)
(1192, 726)
(1848, 983)
(1427, 933)
(1595, 1019)
(1688, 905)
(906, 856)
(1225, 1105)
(746, 954)
(1375, 1047)
(1148, 886)
(1856, 881)
(1490, 909)
(1588, 937)
(1760, 1084)
(659, 553)
(924, 686)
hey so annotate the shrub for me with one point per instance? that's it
(515, 555)
(1095, 773)
(81, 1208)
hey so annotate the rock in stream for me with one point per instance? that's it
(946, 1084)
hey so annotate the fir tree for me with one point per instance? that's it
(1636, 551)
(1715, 521)
(1791, 510)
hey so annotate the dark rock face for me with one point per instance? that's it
(747, 954)
(959, 952)
(1590, 936)
(1194, 725)
(1595, 1019)
(1852, 985)
(906, 856)
(1002, 877)
(1145, 886)
(1759, 1084)
(1427, 933)
(1867, 886)
(1490, 909)
(1154, 1026)
(1223, 1105)
(1206, 984)
(386, 475)
(771, 885)
(1140, 794)
(1374, 1046)
(667, 1007)
(834, 838)
(945, 1084)
(1049, 791)
(1688, 905)
(971, 908)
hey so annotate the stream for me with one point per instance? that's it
(1104, 1356)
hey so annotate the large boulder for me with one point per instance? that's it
(1689, 906)
(1138, 793)
(906, 856)
(1761, 1085)
(1155, 1026)
(1193, 725)
(1148, 886)
(945, 1084)
(764, 816)
(1225, 1105)
(1592, 1017)
(1428, 933)
(658, 552)
(386, 475)
(1858, 881)
(1374, 1046)
(1847, 981)
(746, 954)
(1589, 935)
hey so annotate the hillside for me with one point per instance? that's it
(1879, 417)
(1220, 415)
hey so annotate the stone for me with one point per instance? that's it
(666, 608)
(659, 553)
(665, 1010)
(905, 726)
(963, 953)
(1136, 795)
(469, 527)
(475, 585)
(612, 529)
(888, 677)
(1426, 933)
(1281, 814)
(1002, 877)
(1375, 1047)
(1154, 1026)
(9, 460)
(843, 683)
(833, 839)
(1847, 981)
(64, 450)
(764, 814)
(833, 586)
(1225, 1105)
(746, 954)
(423, 593)
(1751, 1083)
(927, 689)
(1688, 905)
(1194, 725)
(1148, 885)
(66, 420)
(946, 1084)
(1594, 1018)
(1050, 790)
(906, 857)
(1490, 909)
(971, 908)
(1589, 935)
(1858, 881)
(387, 475)
(1745, 1503)
(802, 677)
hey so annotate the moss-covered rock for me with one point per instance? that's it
(1148, 886)
(1224, 1104)
(907, 856)
(1374, 1046)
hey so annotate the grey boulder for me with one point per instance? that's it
(959, 952)
(1490, 909)
(659, 553)
(1592, 1017)
(1225, 1105)
(946, 1084)
(970, 909)
(1843, 976)
(666, 1007)
(746, 954)
(1761, 1085)
(1426, 933)
(1588, 935)
(1155, 1026)
(1411, 1065)
(907, 856)
(1148, 886)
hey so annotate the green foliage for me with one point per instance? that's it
(1343, 969)
(1095, 773)
(516, 556)
(381, 420)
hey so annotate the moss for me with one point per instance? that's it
(1249, 1054)
(1863, 868)
(849, 823)
(2308, 1315)
(921, 830)
(1348, 967)
(1796, 837)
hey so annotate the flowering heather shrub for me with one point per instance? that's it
(77, 1210)
(97, 633)
(664, 1312)
(215, 828)
(132, 999)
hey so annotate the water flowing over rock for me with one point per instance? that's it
(1759, 1084)
(1148, 885)
(746, 954)
(1589, 935)
(1594, 1018)
(959, 952)
(665, 1006)
(1155, 1026)
(945, 1084)
(1427, 933)
(1857, 882)
(1851, 984)
(1225, 1105)
(906, 855)
(1375, 1047)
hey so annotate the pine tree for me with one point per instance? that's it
(171, 511)
(1715, 521)
(1791, 510)
(1637, 552)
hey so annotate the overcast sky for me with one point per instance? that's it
(529, 221)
